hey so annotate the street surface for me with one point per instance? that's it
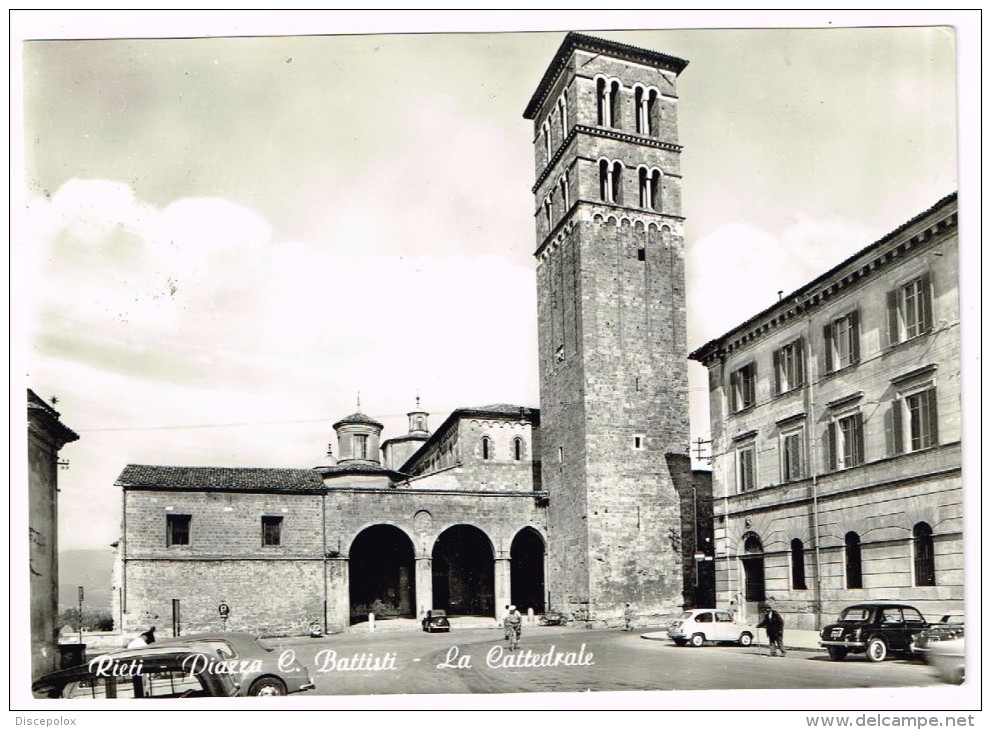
(557, 659)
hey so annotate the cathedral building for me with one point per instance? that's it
(581, 503)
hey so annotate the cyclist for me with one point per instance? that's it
(513, 627)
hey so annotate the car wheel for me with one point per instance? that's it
(877, 650)
(746, 639)
(679, 642)
(837, 653)
(697, 639)
(268, 687)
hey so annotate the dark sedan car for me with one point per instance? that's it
(145, 673)
(436, 620)
(875, 629)
(260, 670)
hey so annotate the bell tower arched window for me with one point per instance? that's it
(611, 181)
(607, 93)
(565, 193)
(486, 448)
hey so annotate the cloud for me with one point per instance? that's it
(737, 270)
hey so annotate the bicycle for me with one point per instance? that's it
(513, 639)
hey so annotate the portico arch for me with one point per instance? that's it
(527, 570)
(463, 572)
(381, 574)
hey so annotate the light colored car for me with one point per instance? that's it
(947, 660)
(699, 625)
(259, 670)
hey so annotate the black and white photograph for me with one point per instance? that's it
(486, 360)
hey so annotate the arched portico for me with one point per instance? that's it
(381, 574)
(527, 570)
(463, 572)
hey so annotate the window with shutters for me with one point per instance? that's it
(854, 567)
(743, 387)
(841, 346)
(923, 555)
(792, 456)
(910, 311)
(845, 441)
(746, 467)
(914, 422)
(789, 367)
(359, 447)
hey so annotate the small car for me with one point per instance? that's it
(949, 627)
(260, 671)
(436, 620)
(946, 657)
(150, 672)
(553, 618)
(877, 629)
(699, 625)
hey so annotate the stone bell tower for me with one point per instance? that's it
(611, 323)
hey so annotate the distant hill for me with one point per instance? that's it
(91, 569)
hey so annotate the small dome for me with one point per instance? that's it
(358, 418)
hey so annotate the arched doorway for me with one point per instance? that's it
(464, 572)
(753, 573)
(527, 570)
(381, 574)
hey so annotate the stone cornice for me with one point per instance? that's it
(864, 264)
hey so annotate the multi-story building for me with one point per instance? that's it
(836, 428)
(46, 437)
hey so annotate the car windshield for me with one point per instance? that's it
(856, 613)
(685, 615)
(263, 645)
(438, 613)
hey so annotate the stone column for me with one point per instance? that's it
(338, 594)
(424, 585)
(503, 585)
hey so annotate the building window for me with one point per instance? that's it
(797, 565)
(548, 212)
(789, 367)
(845, 442)
(792, 455)
(565, 193)
(177, 529)
(854, 568)
(271, 531)
(743, 387)
(842, 342)
(518, 449)
(560, 454)
(910, 310)
(924, 556)
(646, 104)
(922, 420)
(562, 108)
(546, 134)
(746, 468)
(650, 187)
(359, 448)
(611, 181)
(486, 448)
(607, 93)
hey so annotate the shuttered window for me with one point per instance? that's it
(910, 310)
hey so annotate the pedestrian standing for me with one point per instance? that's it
(628, 617)
(774, 625)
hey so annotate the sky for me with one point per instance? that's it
(221, 244)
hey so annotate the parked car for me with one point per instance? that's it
(553, 618)
(947, 660)
(258, 665)
(700, 625)
(436, 620)
(876, 629)
(950, 626)
(151, 672)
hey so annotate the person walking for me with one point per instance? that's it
(774, 625)
(513, 625)
(628, 617)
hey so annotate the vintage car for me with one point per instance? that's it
(151, 672)
(946, 657)
(877, 629)
(700, 625)
(553, 618)
(260, 673)
(436, 620)
(949, 627)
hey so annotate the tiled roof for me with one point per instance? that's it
(358, 417)
(213, 477)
